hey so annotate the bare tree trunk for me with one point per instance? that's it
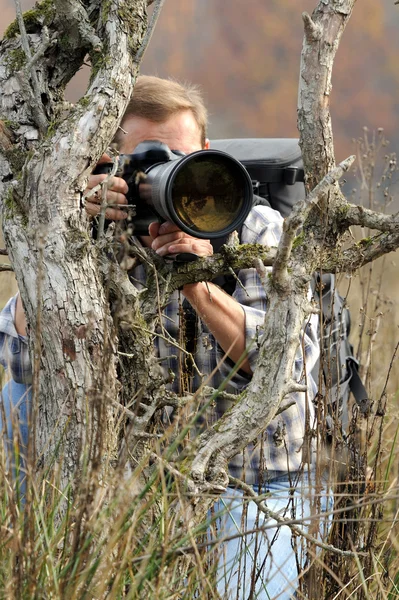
(47, 154)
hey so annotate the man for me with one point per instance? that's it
(226, 324)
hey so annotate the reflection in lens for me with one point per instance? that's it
(208, 193)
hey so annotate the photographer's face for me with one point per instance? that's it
(179, 132)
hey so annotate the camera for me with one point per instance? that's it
(207, 194)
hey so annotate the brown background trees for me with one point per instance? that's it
(247, 59)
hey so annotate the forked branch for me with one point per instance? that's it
(296, 220)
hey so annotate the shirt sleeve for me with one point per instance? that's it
(264, 226)
(14, 351)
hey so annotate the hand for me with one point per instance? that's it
(115, 194)
(167, 238)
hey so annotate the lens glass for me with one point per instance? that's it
(208, 192)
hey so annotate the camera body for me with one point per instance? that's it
(207, 193)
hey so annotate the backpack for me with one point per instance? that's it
(276, 169)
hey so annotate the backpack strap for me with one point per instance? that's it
(269, 174)
(357, 388)
(340, 369)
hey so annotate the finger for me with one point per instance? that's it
(112, 198)
(111, 213)
(163, 240)
(116, 184)
(153, 229)
(196, 247)
(104, 159)
(168, 227)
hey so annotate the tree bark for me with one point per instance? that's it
(323, 32)
(46, 158)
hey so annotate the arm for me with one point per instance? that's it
(223, 316)
(233, 320)
(241, 318)
(263, 226)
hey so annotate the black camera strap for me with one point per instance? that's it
(189, 336)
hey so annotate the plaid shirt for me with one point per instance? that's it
(14, 354)
(280, 447)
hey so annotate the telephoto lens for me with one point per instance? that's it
(207, 193)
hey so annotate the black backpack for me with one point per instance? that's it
(276, 169)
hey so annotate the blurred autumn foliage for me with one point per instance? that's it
(245, 54)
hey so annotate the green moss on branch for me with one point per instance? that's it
(16, 157)
(42, 14)
(15, 60)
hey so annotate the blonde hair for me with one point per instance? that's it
(158, 99)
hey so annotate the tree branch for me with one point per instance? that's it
(150, 30)
(260, 401)
(35, 97)
(359, 215)
(362, 253)
(74, 18)
(323, 33)
(44, 45)
(206, 269)
(297, 218)
(313, 31)
(4, 267)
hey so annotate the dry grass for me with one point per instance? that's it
(105, 545)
